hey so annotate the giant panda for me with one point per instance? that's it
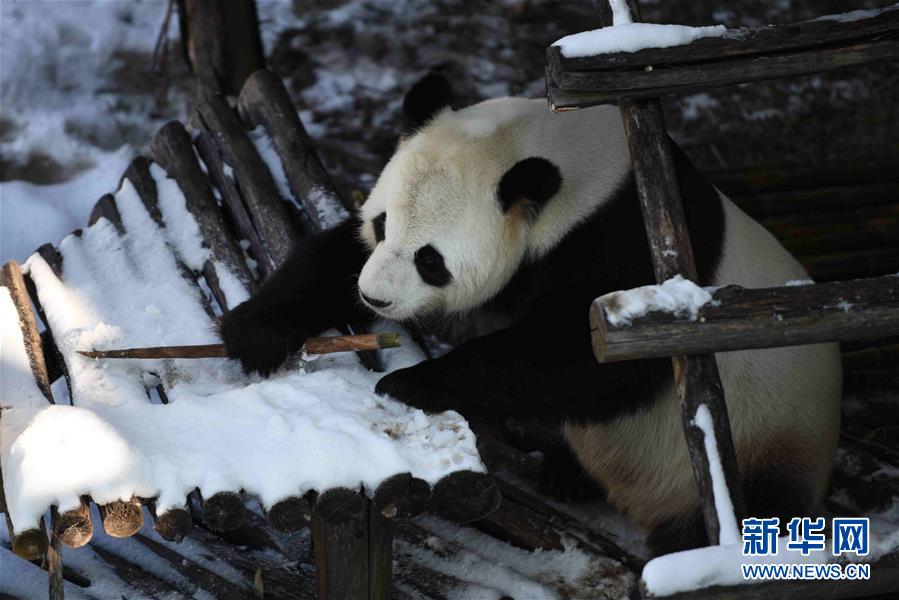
(498, 224)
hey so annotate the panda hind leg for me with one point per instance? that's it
(562, 477)
(767, 492)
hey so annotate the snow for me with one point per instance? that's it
(798, 282)
(729, 533)
(677, 295)
(65, 107)
(220, 431)
(857, 15)
(633, 37)
(329, 210)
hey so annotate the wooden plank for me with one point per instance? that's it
(340, 540)
(401, 496)
(738, 42)
(232, 201)
(741, 56)
(54, 560)
(696, 377)
(12, 279)
(465, 496)
(172, 149)
(264, 101)
(74, 527)
(263, 201)
(738, 319)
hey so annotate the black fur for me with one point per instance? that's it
(379, 223)
(426, 98)
(505, 374)
(431, 266)
(564, 478)
(531, 183)
(313, 290)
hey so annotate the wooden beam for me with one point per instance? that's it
(696, 377)
(740, 56)
(738, 319)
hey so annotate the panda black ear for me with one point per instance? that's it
(426, 98)
(530, 182)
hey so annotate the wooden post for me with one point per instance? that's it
(54, 559)
(353, 547)
(221, 41)
(696, 377)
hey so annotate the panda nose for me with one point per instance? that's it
(376, 303)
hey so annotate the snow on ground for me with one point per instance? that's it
(311, 428)
(677, 295)
(72, 99)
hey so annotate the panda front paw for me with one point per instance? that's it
(417, 387)
(259, 341)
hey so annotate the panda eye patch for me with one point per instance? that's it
(378, 223)
(431, 266)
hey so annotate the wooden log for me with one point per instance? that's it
(852, 265)
(770, 205)
(54, 560)
(106, 208)
(30, 544)
(739, 42)
(74, 527)
(580, 89)
(340, 540)
(12, 279)
(222, 42)
(401, 496)
(313, 345)
(738, 319)
(264, 102)
(520, 527)
(232, 201)
(575, 83)
(122, 518)
(173, 525)
(291, 514)
(263, 201)
(380, 554)
(696, 377)
(172, 149)
(776, 178)
(223, 511)
(465, 496)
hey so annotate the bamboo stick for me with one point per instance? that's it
(315, 345)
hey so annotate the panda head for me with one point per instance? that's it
(447, 222)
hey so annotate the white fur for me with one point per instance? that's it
(439, 189)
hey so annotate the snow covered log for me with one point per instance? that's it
(736, 318)
(401, 496)
(738, 56)
(222, 178)
(264, 102)
(465, 496)
(257, 187)
(171, 148)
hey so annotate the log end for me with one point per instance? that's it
(174, 525)
(223, 511)
(402, 496)
(340, 506)
(465, 496)
(122, 519)
(74, 527)
(31, 544)
(290, 514)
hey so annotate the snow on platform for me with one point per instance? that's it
(314, 427)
